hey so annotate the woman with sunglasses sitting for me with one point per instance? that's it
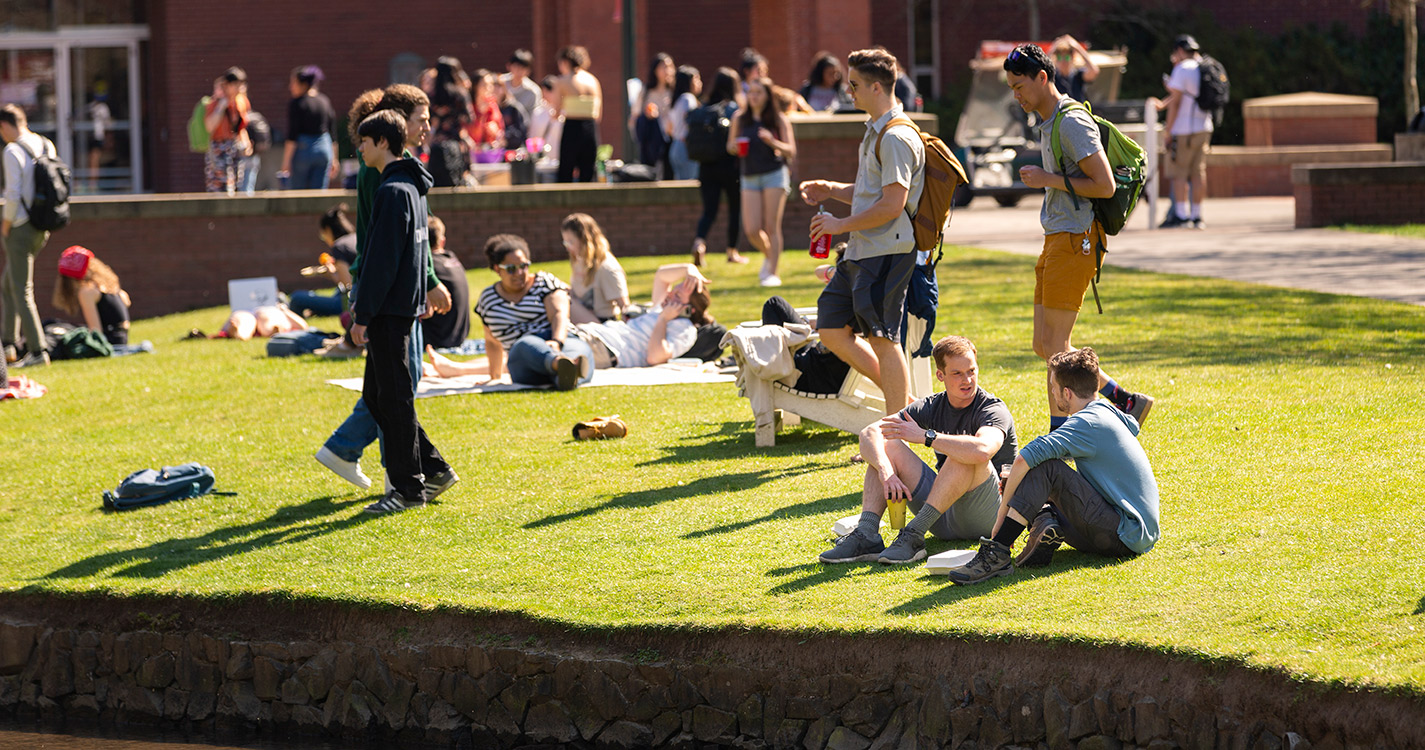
(526, 321)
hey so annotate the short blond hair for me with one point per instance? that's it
(952, 346)
(875, 64)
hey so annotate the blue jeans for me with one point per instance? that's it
(250, 167)
(303, 301)
(683, 167)
(359, 430)
(531, 359)
(311, 162)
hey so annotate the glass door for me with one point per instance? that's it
(28, 77)
(100, 120)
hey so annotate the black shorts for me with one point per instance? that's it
(868, 295)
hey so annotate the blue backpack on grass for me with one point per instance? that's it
(158, 486)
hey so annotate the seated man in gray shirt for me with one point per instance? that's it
(971, 432)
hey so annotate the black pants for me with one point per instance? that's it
(578, 146)
(716, 179)
(822, 371)
(390, 396)
(1089, 522)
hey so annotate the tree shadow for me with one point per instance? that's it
(943, 592)
(817, 573)
(799, 510)
(701, 487)
(290, 524)
(736, 437)
(1420, 608)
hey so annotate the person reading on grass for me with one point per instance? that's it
(1109, 506)
(388, 298)
(971, 432)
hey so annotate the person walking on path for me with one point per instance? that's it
(1189, 133)
(21, 239)
(762, 136)
(1107, 505)
(1071, 233)
(971, 432)
(721, 177)
(866, 295)
(386, 302)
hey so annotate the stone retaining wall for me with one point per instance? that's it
(1330, 194)
(443, 680)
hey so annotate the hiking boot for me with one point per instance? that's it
(348, 470)
(993, 559)
(393, 502)
(854, 547)
(1044, 539)
(908, 547)
(1138, 406)
(31, 360)
(1173, 220)
(439, 483)
(567, 371)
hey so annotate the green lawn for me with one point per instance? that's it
(1404, 230)
(1286, 440)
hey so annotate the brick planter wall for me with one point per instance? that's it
(1392, 193)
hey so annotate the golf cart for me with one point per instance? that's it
(994, 137)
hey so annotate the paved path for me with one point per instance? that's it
(1247, 239)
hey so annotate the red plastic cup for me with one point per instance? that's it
(742, 144)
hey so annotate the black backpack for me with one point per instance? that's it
(707, 132)
(1214, 90)
(50, 209)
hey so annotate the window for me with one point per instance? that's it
(923, 66)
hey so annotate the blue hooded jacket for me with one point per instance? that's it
(397, 250)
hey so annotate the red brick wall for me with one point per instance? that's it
(1359, 194)
(1303, 131)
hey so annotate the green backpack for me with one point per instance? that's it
(197, 129)
(1126, 159)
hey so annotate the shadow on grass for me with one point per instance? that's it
(944, 592)
(799, 510)
(735, 438)
(697, 488)
(287, 525)
(816, 573)
(1420, 608)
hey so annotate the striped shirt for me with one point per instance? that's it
(508, 321)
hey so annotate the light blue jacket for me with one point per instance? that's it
(1103, 443)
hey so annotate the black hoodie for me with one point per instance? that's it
(397, 251)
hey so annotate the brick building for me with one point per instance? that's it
(151, 60)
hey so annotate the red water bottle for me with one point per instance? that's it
(822, 247)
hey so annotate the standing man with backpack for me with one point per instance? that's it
(1072, 232)
(30, 214)
(868, 291)
(1191, 108)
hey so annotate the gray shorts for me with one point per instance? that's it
(970, 517)
(868, 295)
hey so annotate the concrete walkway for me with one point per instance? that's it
(1246, 239)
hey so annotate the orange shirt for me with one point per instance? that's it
(235, 121)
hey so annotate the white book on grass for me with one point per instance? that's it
(846, 525)
(943, 563)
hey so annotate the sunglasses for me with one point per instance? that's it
(513, 267)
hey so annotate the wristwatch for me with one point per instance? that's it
(930, 436)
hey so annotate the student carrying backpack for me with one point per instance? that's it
(707, 131)
(1126, 160)
(1214, 90)
(50, 209)
(943, 173)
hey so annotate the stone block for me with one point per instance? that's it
(344, 668)
(83, 708)
(1026, 718)
(1105, 715)
(477, 661)
(656, 674)
(306, 717)
(175, 703)
(374, 674)
(685, 693)
(395, 709)
(508, 660)
(810, 708)
(316, 674)
(844, 738)
(664, 726)
(713, 724)
(651, 701)
(266, 677)
(280, 712)
(520, 694)
(788, 734)
(156, 672)
(239, 664)
(1057, 719)
(9, 691)
(605, 694)
(1150, 722)
(549, 723)
(992, 732)
(750, 716)
(17, 642)
(141, 701)
(536, 663)
(238, 699)
(1100, 742)
(85, 661)
(587, 718)
(57, 676)
(272, 650)
(818, 732)
(626, 735)
(446, 657)
(890, 736)
(1163, 744)
(617, 669)
(499, 721)
(867, 713)
(841, 688)
(293, 692)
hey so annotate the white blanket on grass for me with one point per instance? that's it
(667, 374)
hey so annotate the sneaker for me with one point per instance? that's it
(1198, 224)
(392, 503)
(1044, 539)
(1138, 406)
(567, 371)
(31, 360)
(908, 547)
(993, 559)
(1173, 220)
(440, 483)
(348, 470)
(771, 280)
(854, 547)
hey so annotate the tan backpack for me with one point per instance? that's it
(943, 173)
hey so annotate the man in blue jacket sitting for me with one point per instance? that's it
(1108, 507)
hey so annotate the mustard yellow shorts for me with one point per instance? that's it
(1065, 268)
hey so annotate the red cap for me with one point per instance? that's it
(74, 262)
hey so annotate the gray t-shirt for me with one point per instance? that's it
(1078, 138)
(902, 162)
(934, 412)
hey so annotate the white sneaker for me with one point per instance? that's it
(348, 470)
(772, 280)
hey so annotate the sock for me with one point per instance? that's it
(1182, 209)
(1009, 531)
(869, 525)
(924, 519)
(1196, 211)
(1056, 422)
(1116, 394)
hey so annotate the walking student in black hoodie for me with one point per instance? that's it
(389, 295)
